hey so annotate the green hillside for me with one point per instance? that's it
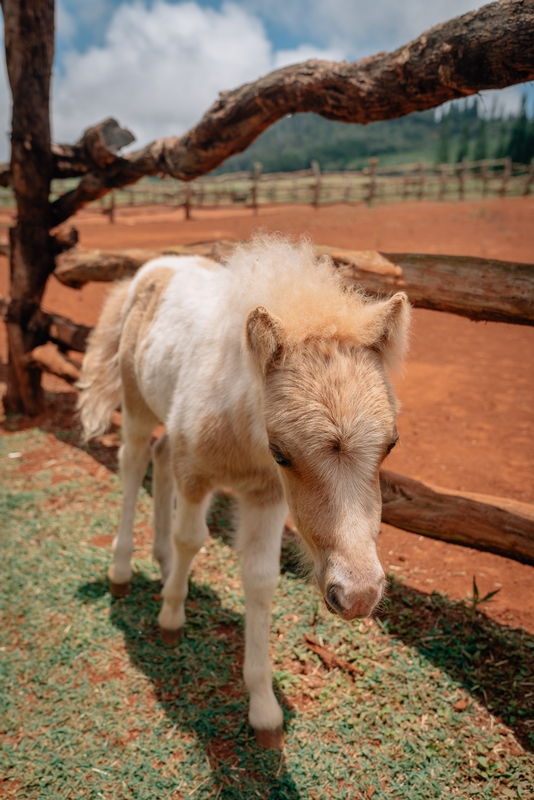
(295, 141)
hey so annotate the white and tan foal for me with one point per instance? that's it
(270, 377)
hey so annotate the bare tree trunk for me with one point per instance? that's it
(29, 42)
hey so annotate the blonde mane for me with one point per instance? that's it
(309, 295)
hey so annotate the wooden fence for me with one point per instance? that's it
(466, 180)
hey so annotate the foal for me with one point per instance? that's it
(270, 376)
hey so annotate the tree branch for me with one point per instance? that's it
(96, 150)
(60, 330)
(486, 49)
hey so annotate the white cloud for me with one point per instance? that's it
(359, 27)
(161, 68)
(162, 64)
(283, 58)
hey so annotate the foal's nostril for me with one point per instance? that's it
(333, 599)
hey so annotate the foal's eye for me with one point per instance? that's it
(279, 457)
(392, 444)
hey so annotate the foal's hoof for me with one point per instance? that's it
(270, 739)
(119, 589)
(170, 637)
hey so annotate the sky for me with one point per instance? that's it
(157, 65)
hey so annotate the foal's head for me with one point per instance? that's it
(330, 419)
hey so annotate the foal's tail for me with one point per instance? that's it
(100, 380)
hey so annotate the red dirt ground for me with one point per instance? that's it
(468, 388)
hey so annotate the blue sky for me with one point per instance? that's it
(157, 65)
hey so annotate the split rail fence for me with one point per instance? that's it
(466, 180)
(373, 184)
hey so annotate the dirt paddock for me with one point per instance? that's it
(467, 391)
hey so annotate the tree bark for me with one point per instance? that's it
(477, 288)
(486, 49)
(29, 43)
(494, 524)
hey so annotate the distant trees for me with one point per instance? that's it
(481, 142)
(464, 129)
(521, 143)
(444, 141)
(462, 133)
(463, 144)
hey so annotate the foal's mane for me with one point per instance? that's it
(309, 295)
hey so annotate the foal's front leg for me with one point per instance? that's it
(259, 541)
(188, 535)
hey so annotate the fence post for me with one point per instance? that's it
(507, 171)
(462, 170)
(316, 188)
(442, 181)
(530, 178)
(421, 176)
(110, 210)
(346, 186)
(371, 190)
(187, 201)
(405, 187)
(256, 175)
(484, 174)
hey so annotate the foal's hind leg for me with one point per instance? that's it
(188, 535)
(163, 490)
(134, 455)
(259, 540)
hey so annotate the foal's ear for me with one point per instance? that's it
(264, 337)
(390, 328)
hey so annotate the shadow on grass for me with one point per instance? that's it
(60, 419)
(494, 663)
(199, 685)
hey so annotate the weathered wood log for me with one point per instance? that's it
(64, 238)
(477, 288)
(485, 49)
(493, 524)
(5, 174)
(29, 44)
(69, 335)
(49, 358)
(60, 330)
(79, 266)
(97, 149)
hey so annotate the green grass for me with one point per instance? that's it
(94, 706)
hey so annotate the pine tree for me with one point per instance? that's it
(481, 142)
(463, 146)
(520, 145)
(443, 150)
(502, 142)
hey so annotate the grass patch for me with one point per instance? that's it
(93, 706)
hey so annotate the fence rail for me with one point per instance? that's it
(466, 180)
